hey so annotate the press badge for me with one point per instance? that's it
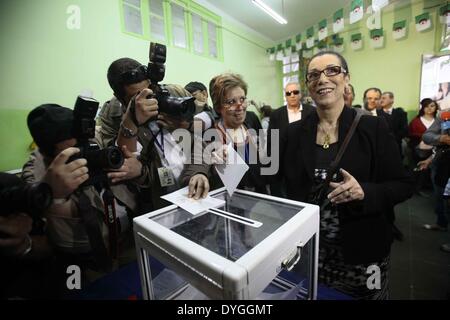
(166, 177)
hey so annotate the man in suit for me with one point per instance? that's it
(280, 118)
(371, 99)
(373, 105)
(397, 120)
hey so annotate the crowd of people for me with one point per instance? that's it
(348, 159)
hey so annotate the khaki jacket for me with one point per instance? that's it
(64, 224)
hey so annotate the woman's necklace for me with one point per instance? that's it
(326, 141)
(327, 137)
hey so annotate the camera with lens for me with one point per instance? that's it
(182, 108)
(99, 161)
(16, 196)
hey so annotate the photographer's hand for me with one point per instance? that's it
(64, 178)
(347, 190)
(131, 168)
(198, 186)
(144, 108)
(14, 231)
(172, 123)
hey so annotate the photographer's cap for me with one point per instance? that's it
(50, 124)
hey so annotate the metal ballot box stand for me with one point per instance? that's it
(238, 251)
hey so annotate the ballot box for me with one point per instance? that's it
(252, 246)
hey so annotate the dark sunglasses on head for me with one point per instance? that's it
(289, 93)
(134, 76)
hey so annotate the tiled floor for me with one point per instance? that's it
(419, 269)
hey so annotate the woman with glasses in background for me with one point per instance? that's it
(356, 220)
(229, 96)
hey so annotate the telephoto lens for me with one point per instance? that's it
(110, 158)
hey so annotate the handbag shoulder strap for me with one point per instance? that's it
(335, 164)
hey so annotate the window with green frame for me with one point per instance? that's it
(156, 16)
(205, 31)
(180, 23)
(131, 15)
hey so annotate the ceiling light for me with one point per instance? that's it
(269, 11)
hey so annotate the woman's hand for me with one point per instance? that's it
(347, 190)
(198, 186)
(424, 164)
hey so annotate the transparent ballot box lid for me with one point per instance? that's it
(238, 250)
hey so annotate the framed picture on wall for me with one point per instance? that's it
(435, 79)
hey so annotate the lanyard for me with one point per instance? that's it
(160, 145)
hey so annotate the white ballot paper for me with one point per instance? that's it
(231, 173)
(180, 198)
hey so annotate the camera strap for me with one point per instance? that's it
(133, 111)
(335, 164)
(111, 221)
(93, 230)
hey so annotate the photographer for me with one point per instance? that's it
(79, 230)
(26, 255)
(126, 121)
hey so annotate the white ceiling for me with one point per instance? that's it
(300, 14)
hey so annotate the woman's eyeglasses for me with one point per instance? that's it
(293, 92)
(329, 72)
(231, 104)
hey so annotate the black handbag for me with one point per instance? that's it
(319, 193)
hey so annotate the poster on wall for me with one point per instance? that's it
(323, 29)
(357, 11)
(377, 38)
(338, 21)
(435, 81)
(444, 13)
(423, 22)
(399, 30)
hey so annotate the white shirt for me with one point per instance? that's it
(205, 118)
(388, 111)
(426, 123)
(173, 156)
(295, 115)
